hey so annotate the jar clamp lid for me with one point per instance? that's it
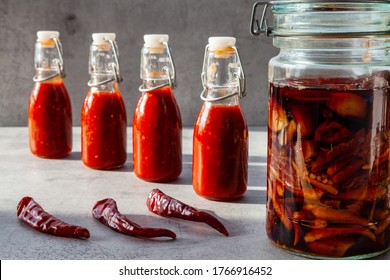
(289, 21)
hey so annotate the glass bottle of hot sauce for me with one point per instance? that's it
(103, 117)
(49, 109)
(157, 126)
(220, 142)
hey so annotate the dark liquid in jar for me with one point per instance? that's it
(328, 167)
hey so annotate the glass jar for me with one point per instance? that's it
(328, 127)
(103, 116)
(220, 141)
(49, 109)
(157, 125)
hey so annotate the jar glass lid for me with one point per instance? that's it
(322, 18)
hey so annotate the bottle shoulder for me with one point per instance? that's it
(221, 115)
(52, 87)
(158, 97)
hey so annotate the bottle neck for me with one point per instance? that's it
(47, 76)
(153, 83)
(216, 94)
(103, 82)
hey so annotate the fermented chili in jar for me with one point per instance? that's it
(220, 141)
(103, 117)
(49, 109)
(157, 126)
(329, 128)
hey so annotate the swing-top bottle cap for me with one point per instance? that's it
(47, 35)
(155, 40)
(217, 43)
(102, 38)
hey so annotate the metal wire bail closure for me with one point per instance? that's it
(115, 67)
(171, 77)
(261, 27)
(241, 78)
(59, 62)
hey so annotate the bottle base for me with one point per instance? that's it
(154, 180)
(105, 167)
(59, 156)
(166, 177)
(319, 257)
(221, 198)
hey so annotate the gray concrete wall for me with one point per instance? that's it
(188, 22)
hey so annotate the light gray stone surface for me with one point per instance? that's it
(68, 190)
(189, 24)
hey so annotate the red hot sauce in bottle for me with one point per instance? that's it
(157, 126)
(49, 109)
(220, 144)
(103, 117)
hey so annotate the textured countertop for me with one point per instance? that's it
(68, 190)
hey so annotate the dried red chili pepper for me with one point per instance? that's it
(166, 206)
(108, 214)
(30, 212)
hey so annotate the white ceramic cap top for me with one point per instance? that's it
(221, 42)
(155, 40)
(102, 38)
(47, 35)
